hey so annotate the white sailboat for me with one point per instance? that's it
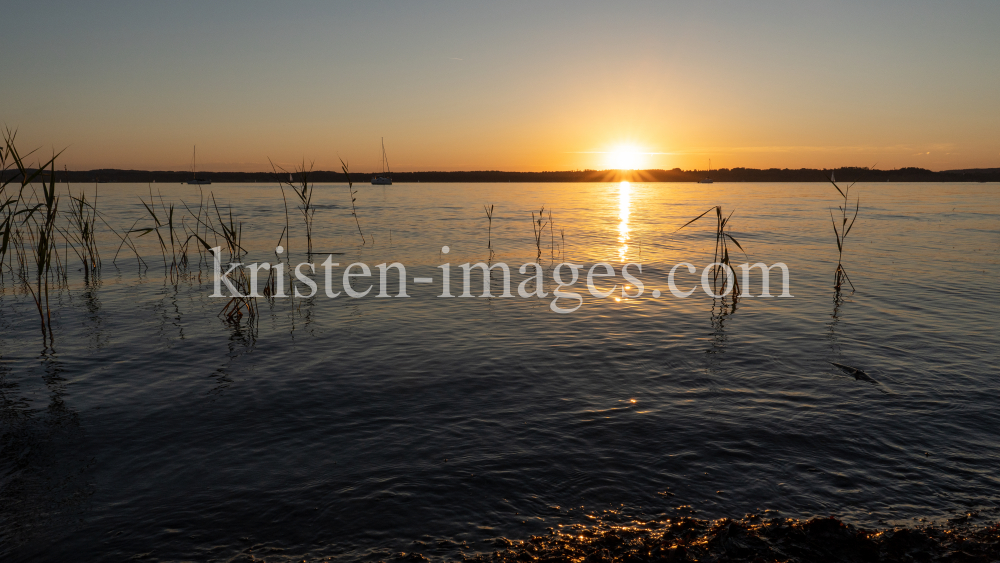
(385, 178)
(707, 179)
(194, 169)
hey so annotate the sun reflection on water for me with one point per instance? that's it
(624, 203)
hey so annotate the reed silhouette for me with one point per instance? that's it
(81, 232)
(722, 261)
(840, 276)
(489, 230)
(354, 198)
(29, 227)
(231, 231)
(303, 190)
(538, 225)
(167, 224)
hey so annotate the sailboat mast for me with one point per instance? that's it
(385, 178)
(385, 159)
(194, 162)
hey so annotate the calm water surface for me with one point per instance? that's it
(359, 428)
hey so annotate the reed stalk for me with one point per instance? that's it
(354, 193)
(840, 276)
(41, 234)
(234, 309)
(552, 239)
(80, 235)
(538, 225)
(159, 226)
(271, 284)
(722, 255)
(231, 232)
(303, 191)
(29, 221)
(489, 230)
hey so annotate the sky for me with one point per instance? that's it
(508, 85)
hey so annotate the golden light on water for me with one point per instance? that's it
(624, 205)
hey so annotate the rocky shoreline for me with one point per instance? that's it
(753, 539)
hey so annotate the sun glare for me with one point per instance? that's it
(626, 158)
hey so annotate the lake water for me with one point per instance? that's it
(359, 428)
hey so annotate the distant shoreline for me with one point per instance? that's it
(675, 175)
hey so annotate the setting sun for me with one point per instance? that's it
(626, 158)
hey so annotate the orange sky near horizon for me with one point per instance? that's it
(529, 87)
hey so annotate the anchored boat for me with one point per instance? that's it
(707, 179)
(386, 177)
(194, 169)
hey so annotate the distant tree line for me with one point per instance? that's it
(848, 174)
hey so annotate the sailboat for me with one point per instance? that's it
(386, 177)
(194, 169)
(707, 179)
